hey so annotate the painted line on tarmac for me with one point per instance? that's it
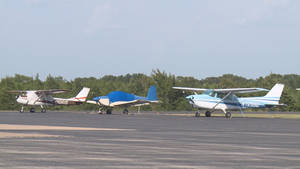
(256, 115)
(39, 127)
(26, 135)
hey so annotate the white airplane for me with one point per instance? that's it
(43, 98)
(298, 89)
(225, 99)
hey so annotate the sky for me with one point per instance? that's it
(200, 38)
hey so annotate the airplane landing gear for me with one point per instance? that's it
(32, 110)
(100, 111)
(108, 111)
(43, 109)
(125, 111)
(228, 115)
(208, 114)
(197, 114)
(22, 109)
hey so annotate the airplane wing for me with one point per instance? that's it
(241, 90)
(16, 91)
(45, 92)
(189, 89)
(232, 90)
(51, 91)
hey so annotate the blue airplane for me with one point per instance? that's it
(123, 99)
(225, 99)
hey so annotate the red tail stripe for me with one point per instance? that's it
(80, 97)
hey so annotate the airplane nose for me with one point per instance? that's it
(190, 99)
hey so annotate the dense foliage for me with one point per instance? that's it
(139, 83)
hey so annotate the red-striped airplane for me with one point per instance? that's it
(43, 98)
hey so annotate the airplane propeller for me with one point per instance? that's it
(191, 100)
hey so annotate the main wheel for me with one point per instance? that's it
(43, 110)
(32, 110)
(108, 111)
(207, 113)
(22, 110)
(197, 114)
(228, 115)
(125, 111)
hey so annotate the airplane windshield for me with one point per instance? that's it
(23, 94)
(212, 93)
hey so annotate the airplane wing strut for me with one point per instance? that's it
(228, 94)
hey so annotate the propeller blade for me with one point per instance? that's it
(191, 100)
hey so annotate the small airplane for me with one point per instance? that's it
(123, 99)
(43, 98)
(298, 89)
(225, 99)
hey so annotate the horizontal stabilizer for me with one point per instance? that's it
(92, 102)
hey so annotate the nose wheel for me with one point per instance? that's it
(208, 114)
(32, 110)
(228, 115)
(108, 111)
(125, 111)
(43, 109)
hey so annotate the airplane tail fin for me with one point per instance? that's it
(275, 93)
(152, 93)
(82, 95)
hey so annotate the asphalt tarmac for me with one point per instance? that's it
(147, 140)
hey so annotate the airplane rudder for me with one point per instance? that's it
(276, 91)
(152, 93)
(83, 93)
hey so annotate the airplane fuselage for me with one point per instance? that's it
(209, 102)
(32, 99)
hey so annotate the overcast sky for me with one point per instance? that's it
(200, 38)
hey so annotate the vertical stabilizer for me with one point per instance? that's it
(82, 95)
(275, 92)
(152, 93)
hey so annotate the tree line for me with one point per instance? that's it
(139, 83)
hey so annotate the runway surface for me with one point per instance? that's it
(81, 140)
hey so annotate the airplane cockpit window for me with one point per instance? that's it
(210, 93)
(207, 92)
(232, 97)
(23, 94)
